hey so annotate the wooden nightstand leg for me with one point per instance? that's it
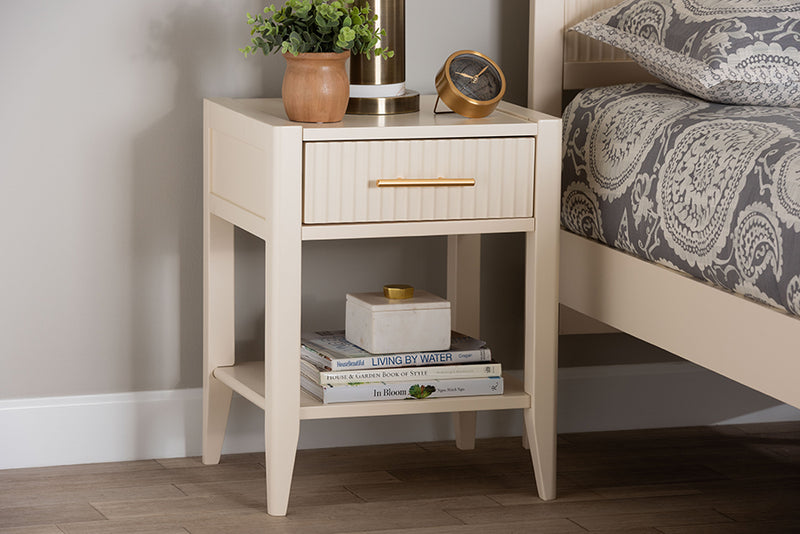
(280, 439)
(465, 423)
(464, 294)
(541, 345)
(218, 331)
(281, 368)
(216, 408)
(540, 429)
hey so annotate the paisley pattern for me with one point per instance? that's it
(727, 8)
(704, 173)
(757, 242)
(648, 20)
(612, 164)
(713, 192)
(785, 189)
(580, 211)
(793, 295)
(728, 51)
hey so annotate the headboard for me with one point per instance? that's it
(561, 60)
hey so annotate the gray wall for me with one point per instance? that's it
(100, 159)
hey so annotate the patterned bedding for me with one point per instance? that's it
(708, 189)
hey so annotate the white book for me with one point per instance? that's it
(331, 350)
(407, 389)
(396, 374)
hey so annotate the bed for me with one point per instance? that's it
(742, 322)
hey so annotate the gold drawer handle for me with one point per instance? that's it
(411, 182)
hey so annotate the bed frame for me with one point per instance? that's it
(753, 344)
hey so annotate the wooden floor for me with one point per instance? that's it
(732, 479)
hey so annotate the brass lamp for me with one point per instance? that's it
(377, 85)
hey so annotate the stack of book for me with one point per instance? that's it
(335, 370)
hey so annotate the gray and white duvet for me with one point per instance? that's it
(708, 189)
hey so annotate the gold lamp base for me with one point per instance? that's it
(408, 102)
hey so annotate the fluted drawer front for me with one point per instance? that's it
(341, 180)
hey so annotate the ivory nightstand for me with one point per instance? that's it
(289, 182)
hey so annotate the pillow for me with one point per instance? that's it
(728, 51)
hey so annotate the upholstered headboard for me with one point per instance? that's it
(560, 60)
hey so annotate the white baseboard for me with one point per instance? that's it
(164, 424)
(99, 428)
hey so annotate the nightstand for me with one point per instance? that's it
(288, 182)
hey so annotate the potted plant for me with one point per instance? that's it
(316, 37)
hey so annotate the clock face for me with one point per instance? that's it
(475, 77)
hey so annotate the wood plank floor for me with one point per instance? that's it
(732, 479)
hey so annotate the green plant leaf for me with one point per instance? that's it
(316, 25)
(421, 392)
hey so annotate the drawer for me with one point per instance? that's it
(341, 180)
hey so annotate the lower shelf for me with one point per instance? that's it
(247, 379)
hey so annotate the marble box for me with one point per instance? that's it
(381, 325)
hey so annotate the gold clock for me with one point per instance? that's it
(470, 84)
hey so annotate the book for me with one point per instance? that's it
(406, 389)
(395, 374)
(330, 350)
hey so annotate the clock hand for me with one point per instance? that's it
(475, 78)
(464, 75)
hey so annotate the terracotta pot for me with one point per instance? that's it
(316, 87)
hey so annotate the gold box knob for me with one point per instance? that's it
(398, 291)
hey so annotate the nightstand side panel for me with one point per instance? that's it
(238, 158)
